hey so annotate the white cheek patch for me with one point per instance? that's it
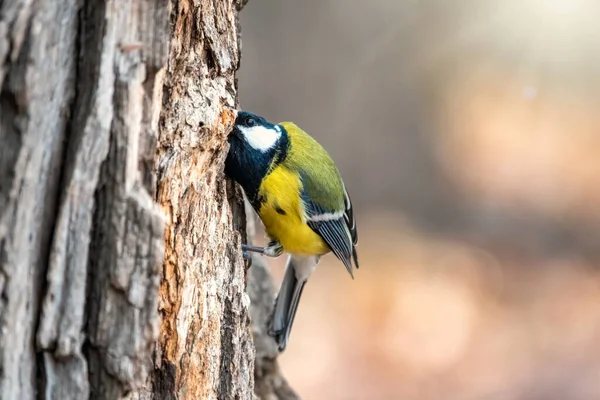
(260, 138)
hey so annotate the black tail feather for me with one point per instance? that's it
(286, 305)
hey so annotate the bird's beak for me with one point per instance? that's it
(228, 116)
(232, 111)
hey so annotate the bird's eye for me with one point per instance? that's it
(250, 121)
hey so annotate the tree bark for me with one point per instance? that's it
(80, 237)
(106, 109)
(205, 349)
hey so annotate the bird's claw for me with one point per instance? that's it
(247, 259)
(273, 249)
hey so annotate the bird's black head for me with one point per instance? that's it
(254, 145)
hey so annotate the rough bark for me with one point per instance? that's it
(80, 237)
(107, 108)
(205, 348)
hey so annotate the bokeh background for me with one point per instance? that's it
(468, 134)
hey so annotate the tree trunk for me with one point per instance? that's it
(205, 349)
(105, 110)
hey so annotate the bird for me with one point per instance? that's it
(297, 191)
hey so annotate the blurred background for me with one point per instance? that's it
(468, 134)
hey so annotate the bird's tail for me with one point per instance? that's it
(286, 305)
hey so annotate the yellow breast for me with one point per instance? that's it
(283, 216)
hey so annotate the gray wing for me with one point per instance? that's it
(351, 224)
(336, 227)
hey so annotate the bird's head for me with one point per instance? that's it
(255, 133)
(254, 143)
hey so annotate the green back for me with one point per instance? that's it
(320, 177)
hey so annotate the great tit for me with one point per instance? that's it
(296, 189)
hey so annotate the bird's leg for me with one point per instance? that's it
(273, 249)
(254, 249)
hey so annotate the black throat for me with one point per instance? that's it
(249, 166)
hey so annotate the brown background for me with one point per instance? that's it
(468, 134)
